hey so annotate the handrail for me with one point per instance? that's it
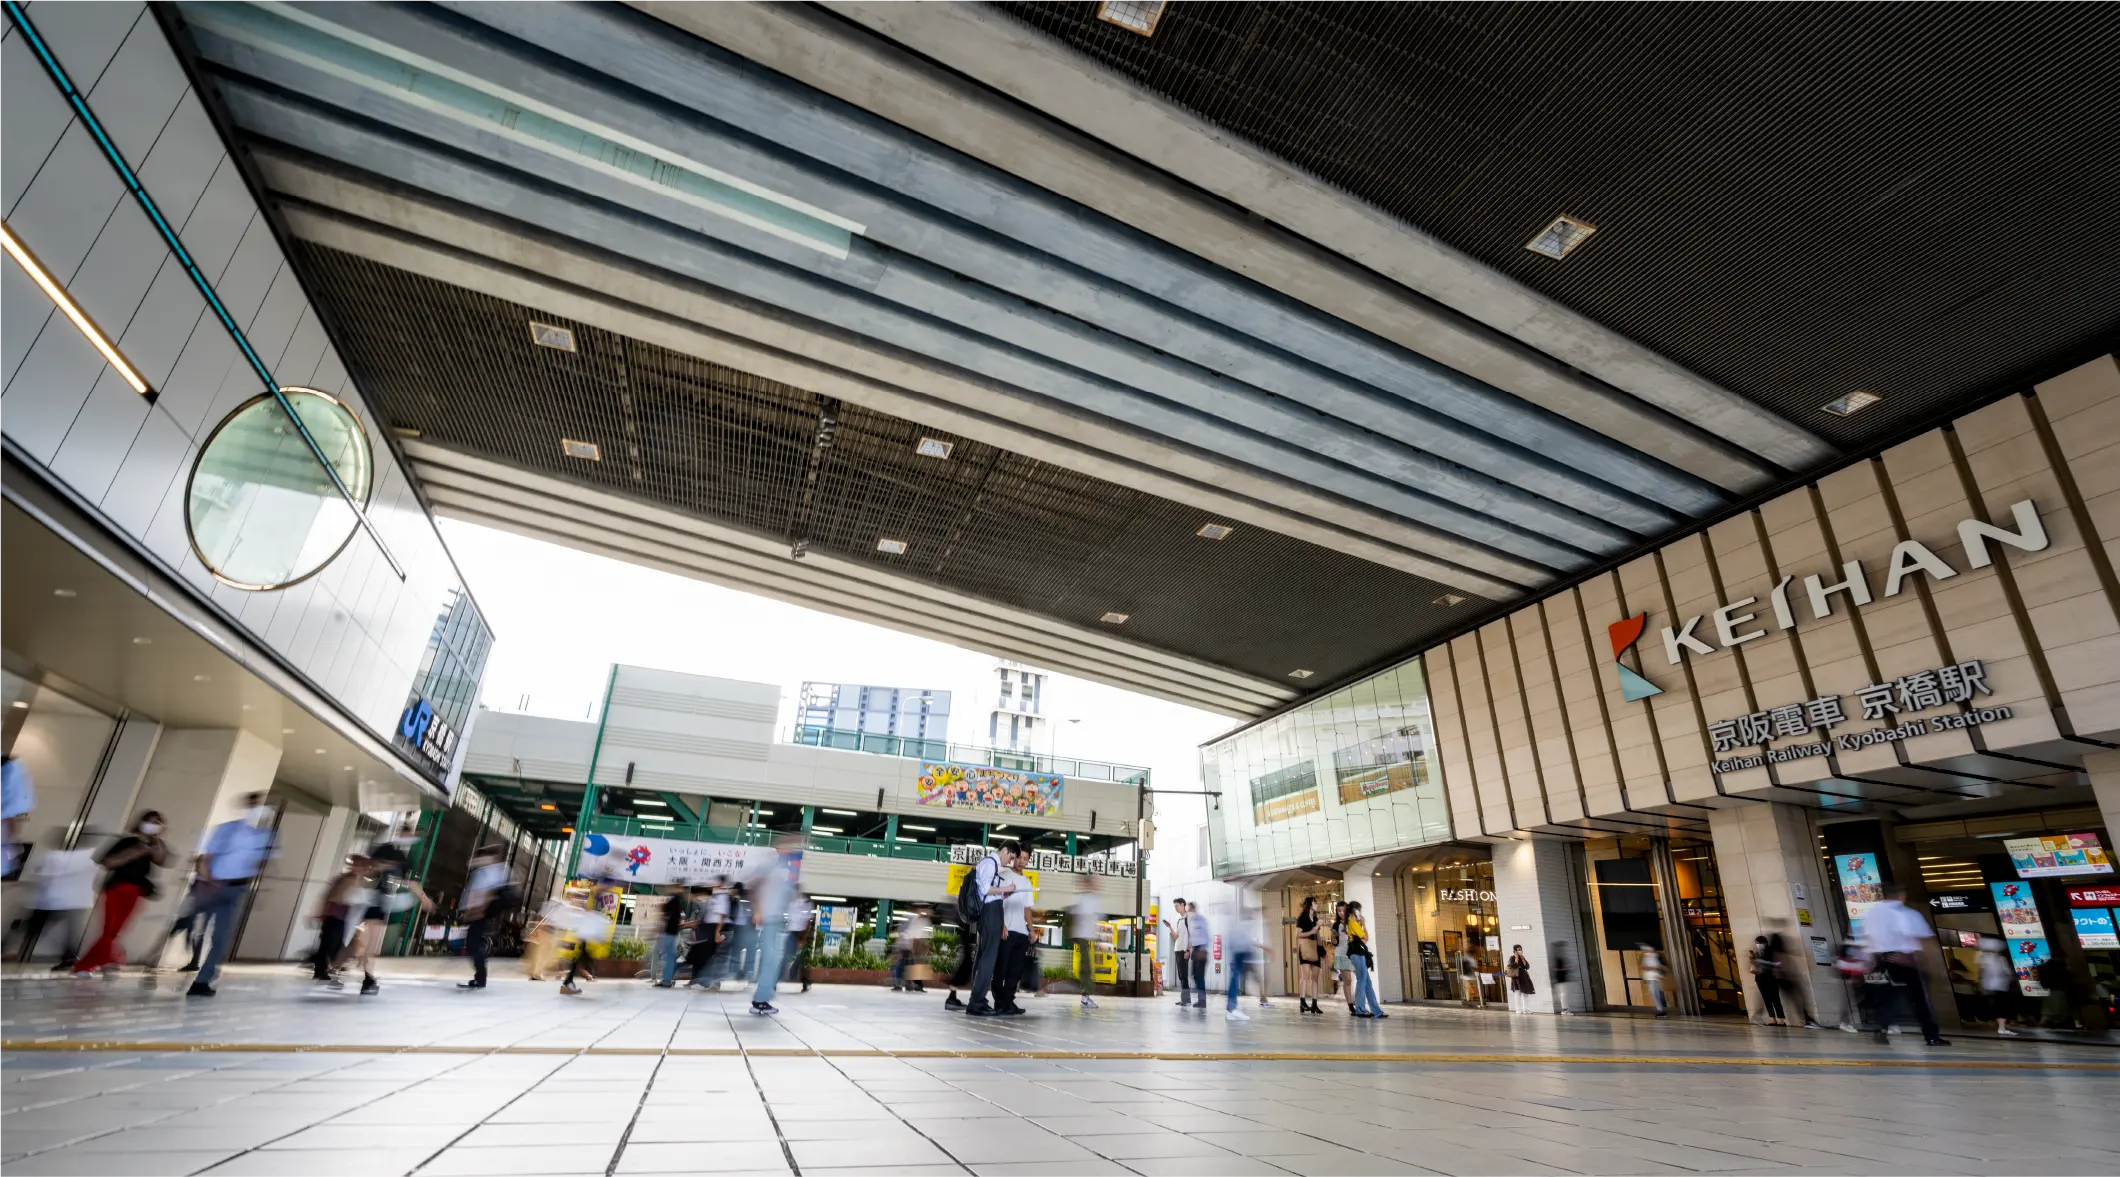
(941, 750)
(627, 827)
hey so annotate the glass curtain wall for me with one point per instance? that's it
(1349, 774)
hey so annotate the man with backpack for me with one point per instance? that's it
(489, 894)
(980, 908)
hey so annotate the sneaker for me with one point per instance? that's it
(1015, 1012)
(1088, 1004)
(666, 984)
(1184, 1001)
(2006, 1032)
(328, 982)
(570, 988)
(1849, 1027)
(953, 1003)
(981, 1012)
(193, 967)
(1201, 1004)
(763, 1009)
(199, 989)
(369, 988)
(471, 984)
(1380, 1014)
(1237, 1015)
(1265, 1004)
(1935, 1042)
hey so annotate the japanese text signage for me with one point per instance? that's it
(1053, 860)
(428, 733)
(1892, 704)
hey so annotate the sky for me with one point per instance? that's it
(561, 618)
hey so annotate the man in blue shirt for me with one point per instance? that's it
(233, 855)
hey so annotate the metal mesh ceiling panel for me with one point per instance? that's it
(683, 433)
(1794, 200)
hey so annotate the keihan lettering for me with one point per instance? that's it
(1739, 622)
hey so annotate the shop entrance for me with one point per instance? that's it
(1662, 895)
(1326, 893)
(1451, 948)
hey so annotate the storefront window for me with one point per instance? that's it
(1652, 894)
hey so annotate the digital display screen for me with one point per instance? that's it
(2050, 855)
(2094, 927)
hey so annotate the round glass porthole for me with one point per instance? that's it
(262, 513)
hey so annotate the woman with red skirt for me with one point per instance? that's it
(131, 861)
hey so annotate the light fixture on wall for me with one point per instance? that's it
(67, 306)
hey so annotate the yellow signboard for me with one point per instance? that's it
(960, 869)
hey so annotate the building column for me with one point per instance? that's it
(197, 778)
(1767, 857)
(2104, 770)
(1536, 903)
(1368, 883)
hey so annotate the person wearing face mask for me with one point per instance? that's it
(229, 862)
(131, 861)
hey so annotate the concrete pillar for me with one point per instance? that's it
(1368, 883)
(2104, 770)
(111, 807)
(1535, 899)
(197, 778)
(1772, 879)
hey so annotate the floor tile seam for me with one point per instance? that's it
(787, 1153)
(488, 1119)
(654, 1073)
(901, 1119)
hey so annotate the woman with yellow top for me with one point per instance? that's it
(1365, 992)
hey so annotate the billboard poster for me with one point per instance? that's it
(993, 790)
(661, 861)
(2058, 854)
(1860, 886)
(2026, 935)
(2094, 927)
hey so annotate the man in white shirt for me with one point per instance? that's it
(1895, 932)
(1196, 933)
(65, 882)
(1083, 917)
(990, 889)
(1017, 951)
(1181, 951)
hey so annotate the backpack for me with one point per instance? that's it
(968, 897)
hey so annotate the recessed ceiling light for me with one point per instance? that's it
(1215, 531)
(895, 547)
(588, 450)
(1115, 618)
(548, 335)
(549, 808)
(651, 801)
(1301, 673)
(69, 594)
(250, 706)
(347, 767)
(1849, 404)
(286, 731)
(19, 703)
(824, 830)
(1135, 16)
(143, 641)
(922, 829)
(934, 447)
(202, 678)
(841, 812)
(320, 751)
(405, 431)
(566, 829)
(1449, 600)
(1559, 239)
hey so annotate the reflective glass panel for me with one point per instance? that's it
(263, 513)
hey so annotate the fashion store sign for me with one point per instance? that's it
(1739, 622)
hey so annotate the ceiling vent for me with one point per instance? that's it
(934, 447)
(895, 547)
(1135, 16)
(1301, 673)
(1450, 600)
(1851, 403)
(547, 335)
(1559, 239)
(581, 449)
(1115, 618)
(1215, 531)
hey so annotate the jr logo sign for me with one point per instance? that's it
(1632, 686)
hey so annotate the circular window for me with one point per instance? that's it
(262, 513)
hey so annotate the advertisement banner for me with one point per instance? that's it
(2094, 896)
(2057, 854)
(660, 861)
(1282, 808)
(2094, 927)
(1860, 885)
(2019, 913)
(994, 790)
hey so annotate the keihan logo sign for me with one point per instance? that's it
(1739, 622)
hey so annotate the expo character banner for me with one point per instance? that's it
(2022, 930)
(998, 790)
(661, 861)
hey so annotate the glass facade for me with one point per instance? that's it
(447, 687)
(1350, 774)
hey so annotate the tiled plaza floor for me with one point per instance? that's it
(271, 1077)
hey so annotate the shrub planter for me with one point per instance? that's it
(820, 976)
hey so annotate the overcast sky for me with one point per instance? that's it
(562, 617)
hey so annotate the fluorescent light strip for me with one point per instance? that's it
(65, 302)
(147, 205)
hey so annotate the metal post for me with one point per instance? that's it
(581, 822)
(1140, 883)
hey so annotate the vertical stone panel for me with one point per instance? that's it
(1923, 483)
(2082, 409)
(1453, 751)
(1549, 729)
(1523, 803)
(1843, 662)
(1690, 583)
(1633, 589)
(1585, 677)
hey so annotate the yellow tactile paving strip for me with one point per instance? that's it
(148, 1047)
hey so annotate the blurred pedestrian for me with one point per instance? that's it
(1358, 951)
(1998, 983)
(1181, 951)
(907, 952)
(802, 917)
(1562, 964)
(669, 940)
(18, 799)
(1653, 977)
(1196, 934)
(1766, 978)
(1244, 941)
(1084, 916)
(131, 861)
(1310, 956)
(394, 891)
(63, 884)
(1342, 964)
(1016, 952)
(1895, 932)
(188, 924)
(489, 895)
(229, 862)
(987, 889)
(343, 899)
(769, 908)
(1520, 986)
(1854, 965)
(709, 913)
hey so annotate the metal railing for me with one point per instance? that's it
(628, 827)
(942, 750)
